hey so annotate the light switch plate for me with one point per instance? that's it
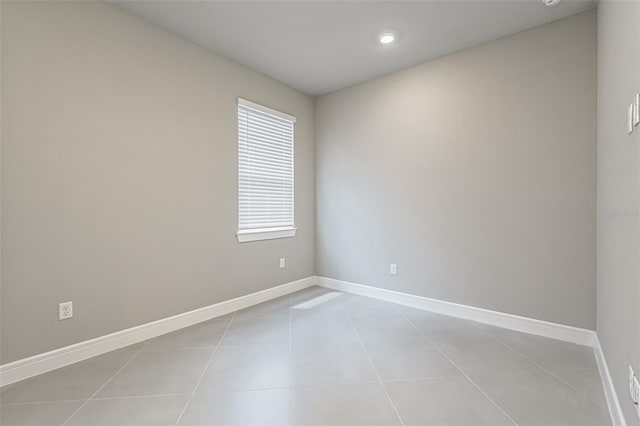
(630, 119)
(632, 376)
(636, 392)
(636, 109)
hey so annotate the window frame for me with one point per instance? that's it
(257, 234)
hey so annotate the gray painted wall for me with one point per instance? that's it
(119, 176)
(475, 173)
(618, 194)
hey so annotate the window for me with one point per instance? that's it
(265, 173)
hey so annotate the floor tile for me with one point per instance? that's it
(145, 411)
(203, 335)
(308, 294)
(331, 362)
(540, 399)
(445, 401)
(432, 324)
(279, 307)
(408, 359)
(242, 408)
(481, 354)
(247, 367)
(553, 355)
(587, 381)
(327, 303)
(355, 304)
(77, 381)
(319, 325)
(159, 373)
(342, 405)
(382, 325)
(46, 414)
(244, 331)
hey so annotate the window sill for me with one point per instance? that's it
(265, 234)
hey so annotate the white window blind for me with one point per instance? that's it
(265, 170)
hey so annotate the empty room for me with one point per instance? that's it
(322, 213)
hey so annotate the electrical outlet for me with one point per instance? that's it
(282, 264)
(65, 311)
(393, 269)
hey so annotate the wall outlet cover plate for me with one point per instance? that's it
(65, 310)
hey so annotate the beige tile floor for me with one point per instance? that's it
(320, 357)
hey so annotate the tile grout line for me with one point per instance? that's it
(108, 381)
(364, 348)
(158, 395)
(547, 371)
(13, 404)
(206, 367)
(476, 385)
(459, 369)
(164, 395)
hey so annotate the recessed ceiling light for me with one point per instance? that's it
(386, 38)
(550, 2)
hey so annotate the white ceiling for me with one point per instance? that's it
(321, 46)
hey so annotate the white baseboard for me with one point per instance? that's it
(42, 363)
(617, 418)
(499, 319)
